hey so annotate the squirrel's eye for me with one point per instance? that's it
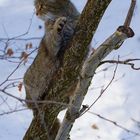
(39, 7)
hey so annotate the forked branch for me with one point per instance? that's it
(88, 70)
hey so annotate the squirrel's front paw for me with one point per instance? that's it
(59, 24)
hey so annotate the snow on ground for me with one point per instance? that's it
(119, 103)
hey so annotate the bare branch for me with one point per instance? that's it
(13, 111)
(102, 91)
(15, 69)
(32, 101)
(124, 62)
(130, 13)
(28, 29)
(21, 39)
(115, 123)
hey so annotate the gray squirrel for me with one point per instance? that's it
(60, 17)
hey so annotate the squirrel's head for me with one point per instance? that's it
(51, 9)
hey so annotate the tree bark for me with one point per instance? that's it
(85, 78)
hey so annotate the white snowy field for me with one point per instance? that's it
(119, 103)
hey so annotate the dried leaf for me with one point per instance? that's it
(20, 86)
(94, 126)
(9, 52)
(24, 56)
(28, 46)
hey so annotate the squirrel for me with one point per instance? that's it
(60, 17)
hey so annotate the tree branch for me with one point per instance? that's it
(130, 13)
(115, 123)
(86, 76)
(125, 62)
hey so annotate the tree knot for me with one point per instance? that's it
(126, 30)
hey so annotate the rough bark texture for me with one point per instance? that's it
(85, 78)
(69, 73)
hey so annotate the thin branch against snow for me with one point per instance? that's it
(13, 111)
(130, 13)
(129, 137)
(4, 100)
(7, 53)
(15, 69)
(7, 40)
(124, 62)
(102, 91)
(23, 101)
(27, 31)
(115, 123)
(21, 39)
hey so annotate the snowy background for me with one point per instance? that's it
(119, 103)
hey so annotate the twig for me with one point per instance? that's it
(21, 39)
(125, 62)
(3, 100)
(31, 101)
(102, 91)
(15, 37)
(13, 111)
(130, 13)
(130, 137)
(115, 123)
(15, 69)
